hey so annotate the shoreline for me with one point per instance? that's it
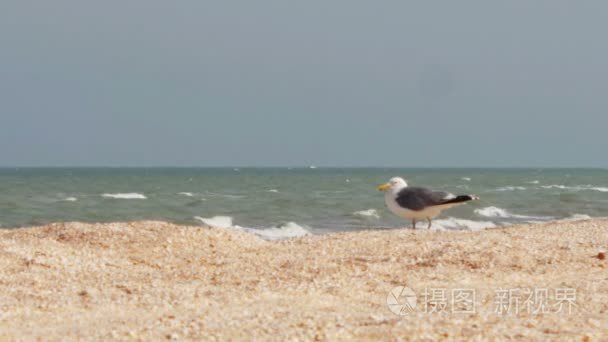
(151, 280)
(200, 222)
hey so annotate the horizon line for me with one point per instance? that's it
(289, 166)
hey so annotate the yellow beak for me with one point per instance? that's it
(384, 187)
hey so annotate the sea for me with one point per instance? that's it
(279, 203)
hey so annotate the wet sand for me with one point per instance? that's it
(155, 280)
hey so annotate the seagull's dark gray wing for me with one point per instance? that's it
(414, 198)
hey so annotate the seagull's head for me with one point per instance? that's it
(396, 183)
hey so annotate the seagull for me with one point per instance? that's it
(417, 203)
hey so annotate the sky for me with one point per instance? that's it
(284, 83)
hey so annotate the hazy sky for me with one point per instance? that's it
(344, 83)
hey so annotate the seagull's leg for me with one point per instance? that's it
(430, 223)
(414, 223)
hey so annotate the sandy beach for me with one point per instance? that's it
(155, 280)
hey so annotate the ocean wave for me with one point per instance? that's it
(367, 213)
(575, 188)
(279, 232)
(468, 179)
(216, 221)
(576, 217)
(533, 182)
(132, 195)
(456, 223)
(229, 196)
(555, 186)
(189, 194)
(70, 199)
(273, 190)
(503, 213)
(511, 188)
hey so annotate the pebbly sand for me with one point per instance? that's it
(154, 280)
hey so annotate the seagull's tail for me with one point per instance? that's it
(461, 199)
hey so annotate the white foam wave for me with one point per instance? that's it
(502, 213)
(132, 195)
(367, 213)
(189, 194)
(511, 188)
(216, 221)
(575, 188)
(533, 182)
(493, 212)
(70, 199)
(456, 223)
(577, 217)
(273, 190)
(282, 231)
(468, 179)
(555, 186)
